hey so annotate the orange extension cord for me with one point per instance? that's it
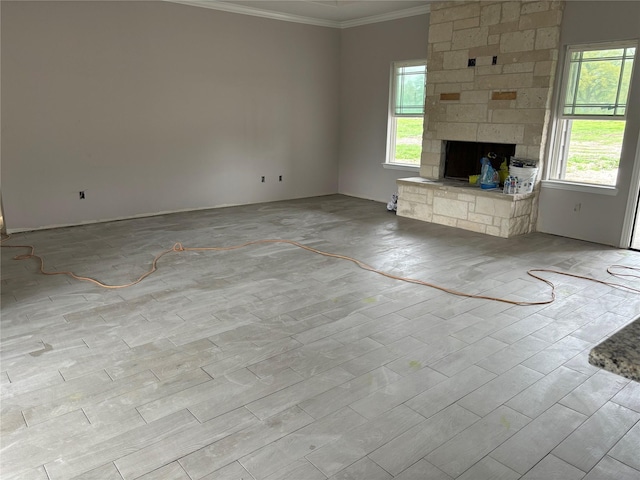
(178, 247)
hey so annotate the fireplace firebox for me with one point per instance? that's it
(463, 158)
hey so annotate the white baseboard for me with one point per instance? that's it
(115, 219)
(155, 214)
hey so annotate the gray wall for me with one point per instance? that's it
(366, 56)
(600, 218)
(153, 106)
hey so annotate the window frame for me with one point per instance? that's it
(562, 122)
(392, 121)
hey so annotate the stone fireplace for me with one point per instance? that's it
(491, 68)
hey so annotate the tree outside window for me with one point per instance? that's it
(592, 115)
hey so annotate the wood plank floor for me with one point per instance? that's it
(274, 363)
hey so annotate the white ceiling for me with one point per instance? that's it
(329, 13)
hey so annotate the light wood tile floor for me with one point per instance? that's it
(273, 363)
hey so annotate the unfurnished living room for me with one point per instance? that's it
(308, 240)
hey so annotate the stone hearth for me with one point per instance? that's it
(468, 207)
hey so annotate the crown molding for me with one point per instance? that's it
(285, 17)
(407, 12)
(256, 12)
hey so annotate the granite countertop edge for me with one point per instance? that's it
(620, 353)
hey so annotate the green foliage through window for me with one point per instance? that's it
(592, 112)
(406, 112)
(409, 90)
(598, 82)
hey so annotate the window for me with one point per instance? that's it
(592, 114)
(406, 112)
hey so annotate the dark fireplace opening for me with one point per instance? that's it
(463, 158)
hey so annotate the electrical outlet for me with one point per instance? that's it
(262, 179)
(280, 178)
(81, 194)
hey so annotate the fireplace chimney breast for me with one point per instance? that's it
(505, 96)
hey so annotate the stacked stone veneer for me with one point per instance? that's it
(524, 36)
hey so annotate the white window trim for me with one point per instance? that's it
(401, 166)
(392, 122)
(580, 187)
(556, 158)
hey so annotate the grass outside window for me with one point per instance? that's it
(594, 151)
(408, 144)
